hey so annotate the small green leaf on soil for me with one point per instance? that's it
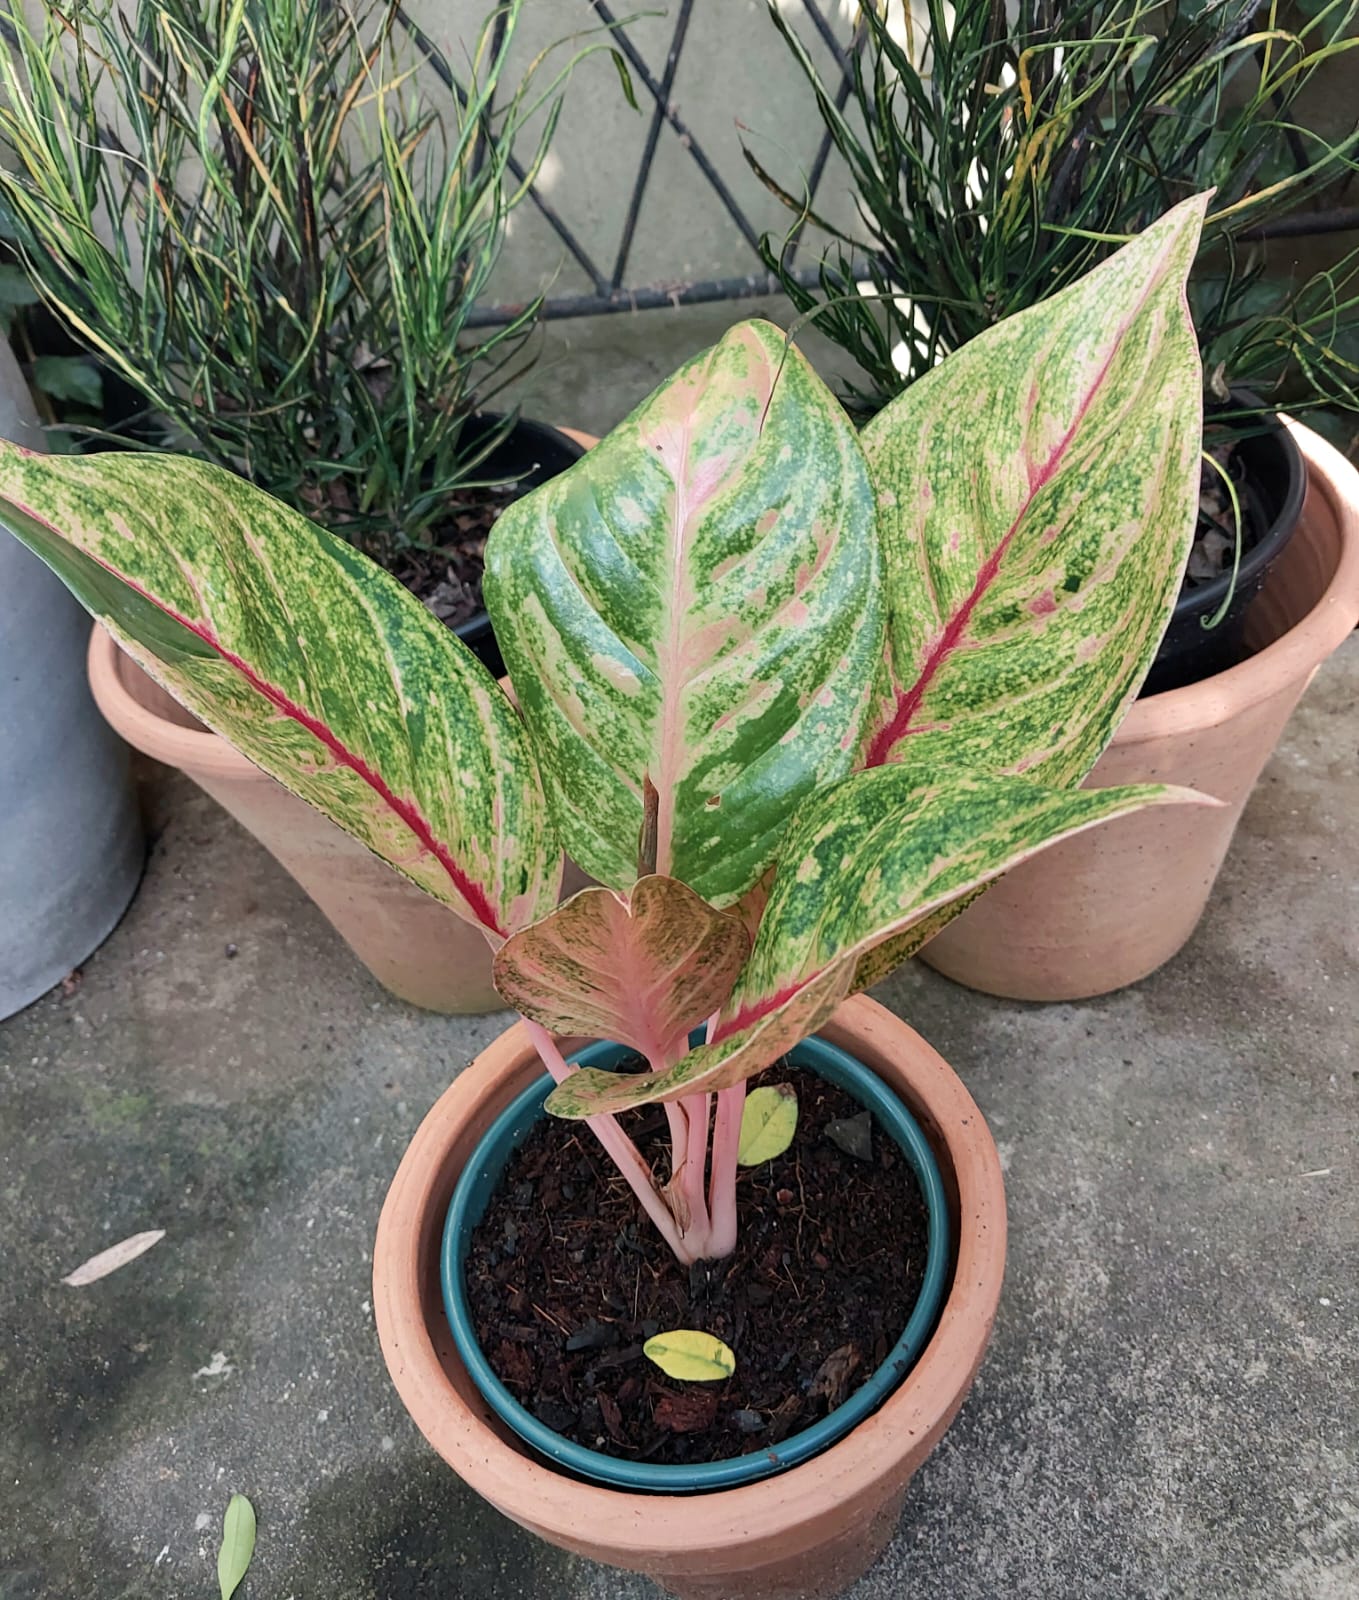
(238, 1545)
(690, 1356)
(768, 1124)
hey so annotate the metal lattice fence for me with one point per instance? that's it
(610, 290)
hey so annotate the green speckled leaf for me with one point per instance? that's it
(884, 959)
(867, 861)
(1036, 501)
(313, 662)
(693, 609)
(641, 969)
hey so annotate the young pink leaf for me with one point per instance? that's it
(642, 968)
(871, 859)
(693, 611)
(313, 662)
(1036, 502)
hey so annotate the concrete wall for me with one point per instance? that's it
(736, 79)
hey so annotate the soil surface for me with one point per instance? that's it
(447, 576)
(567, 1279)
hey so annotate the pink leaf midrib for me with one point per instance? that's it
(670, 658)
(757, 1010)
(475, 897)
(478, 901)
(667, 762)
(898, 726)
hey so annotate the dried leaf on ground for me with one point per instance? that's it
(117, 1255)
(834, 1374)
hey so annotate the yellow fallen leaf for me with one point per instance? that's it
(690, 1356)
(768, 1124)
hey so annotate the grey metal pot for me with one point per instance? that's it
(71, 845)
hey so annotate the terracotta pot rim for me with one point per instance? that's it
(635, 1525)
(1294, 654)
(194, 749)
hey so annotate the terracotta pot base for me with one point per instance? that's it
(1107, 908)
(807, 1532)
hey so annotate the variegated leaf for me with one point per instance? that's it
(641, 969)
(884, 959)
(872, 858)
(692, 612)
(1036, 501)
(309, 658)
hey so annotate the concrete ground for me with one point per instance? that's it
(1169, 1407)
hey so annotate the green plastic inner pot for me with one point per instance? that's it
(473, 1193)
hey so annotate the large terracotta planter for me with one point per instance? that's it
(806, 1532)
(411, 944)
(1107, 908)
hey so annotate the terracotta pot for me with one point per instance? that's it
(411, 944)
(807, 1532)
(1105, 909)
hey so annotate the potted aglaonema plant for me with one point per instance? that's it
(792, 695)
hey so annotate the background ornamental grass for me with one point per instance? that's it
(997, 153)
(277, 236)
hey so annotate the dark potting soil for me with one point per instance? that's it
(446, 577)
(567, 1278)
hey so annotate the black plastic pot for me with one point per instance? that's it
(1273, 486)
(530, 455)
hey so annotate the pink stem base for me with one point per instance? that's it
(731, 1104)
(621, 1151)
(698, 1112)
